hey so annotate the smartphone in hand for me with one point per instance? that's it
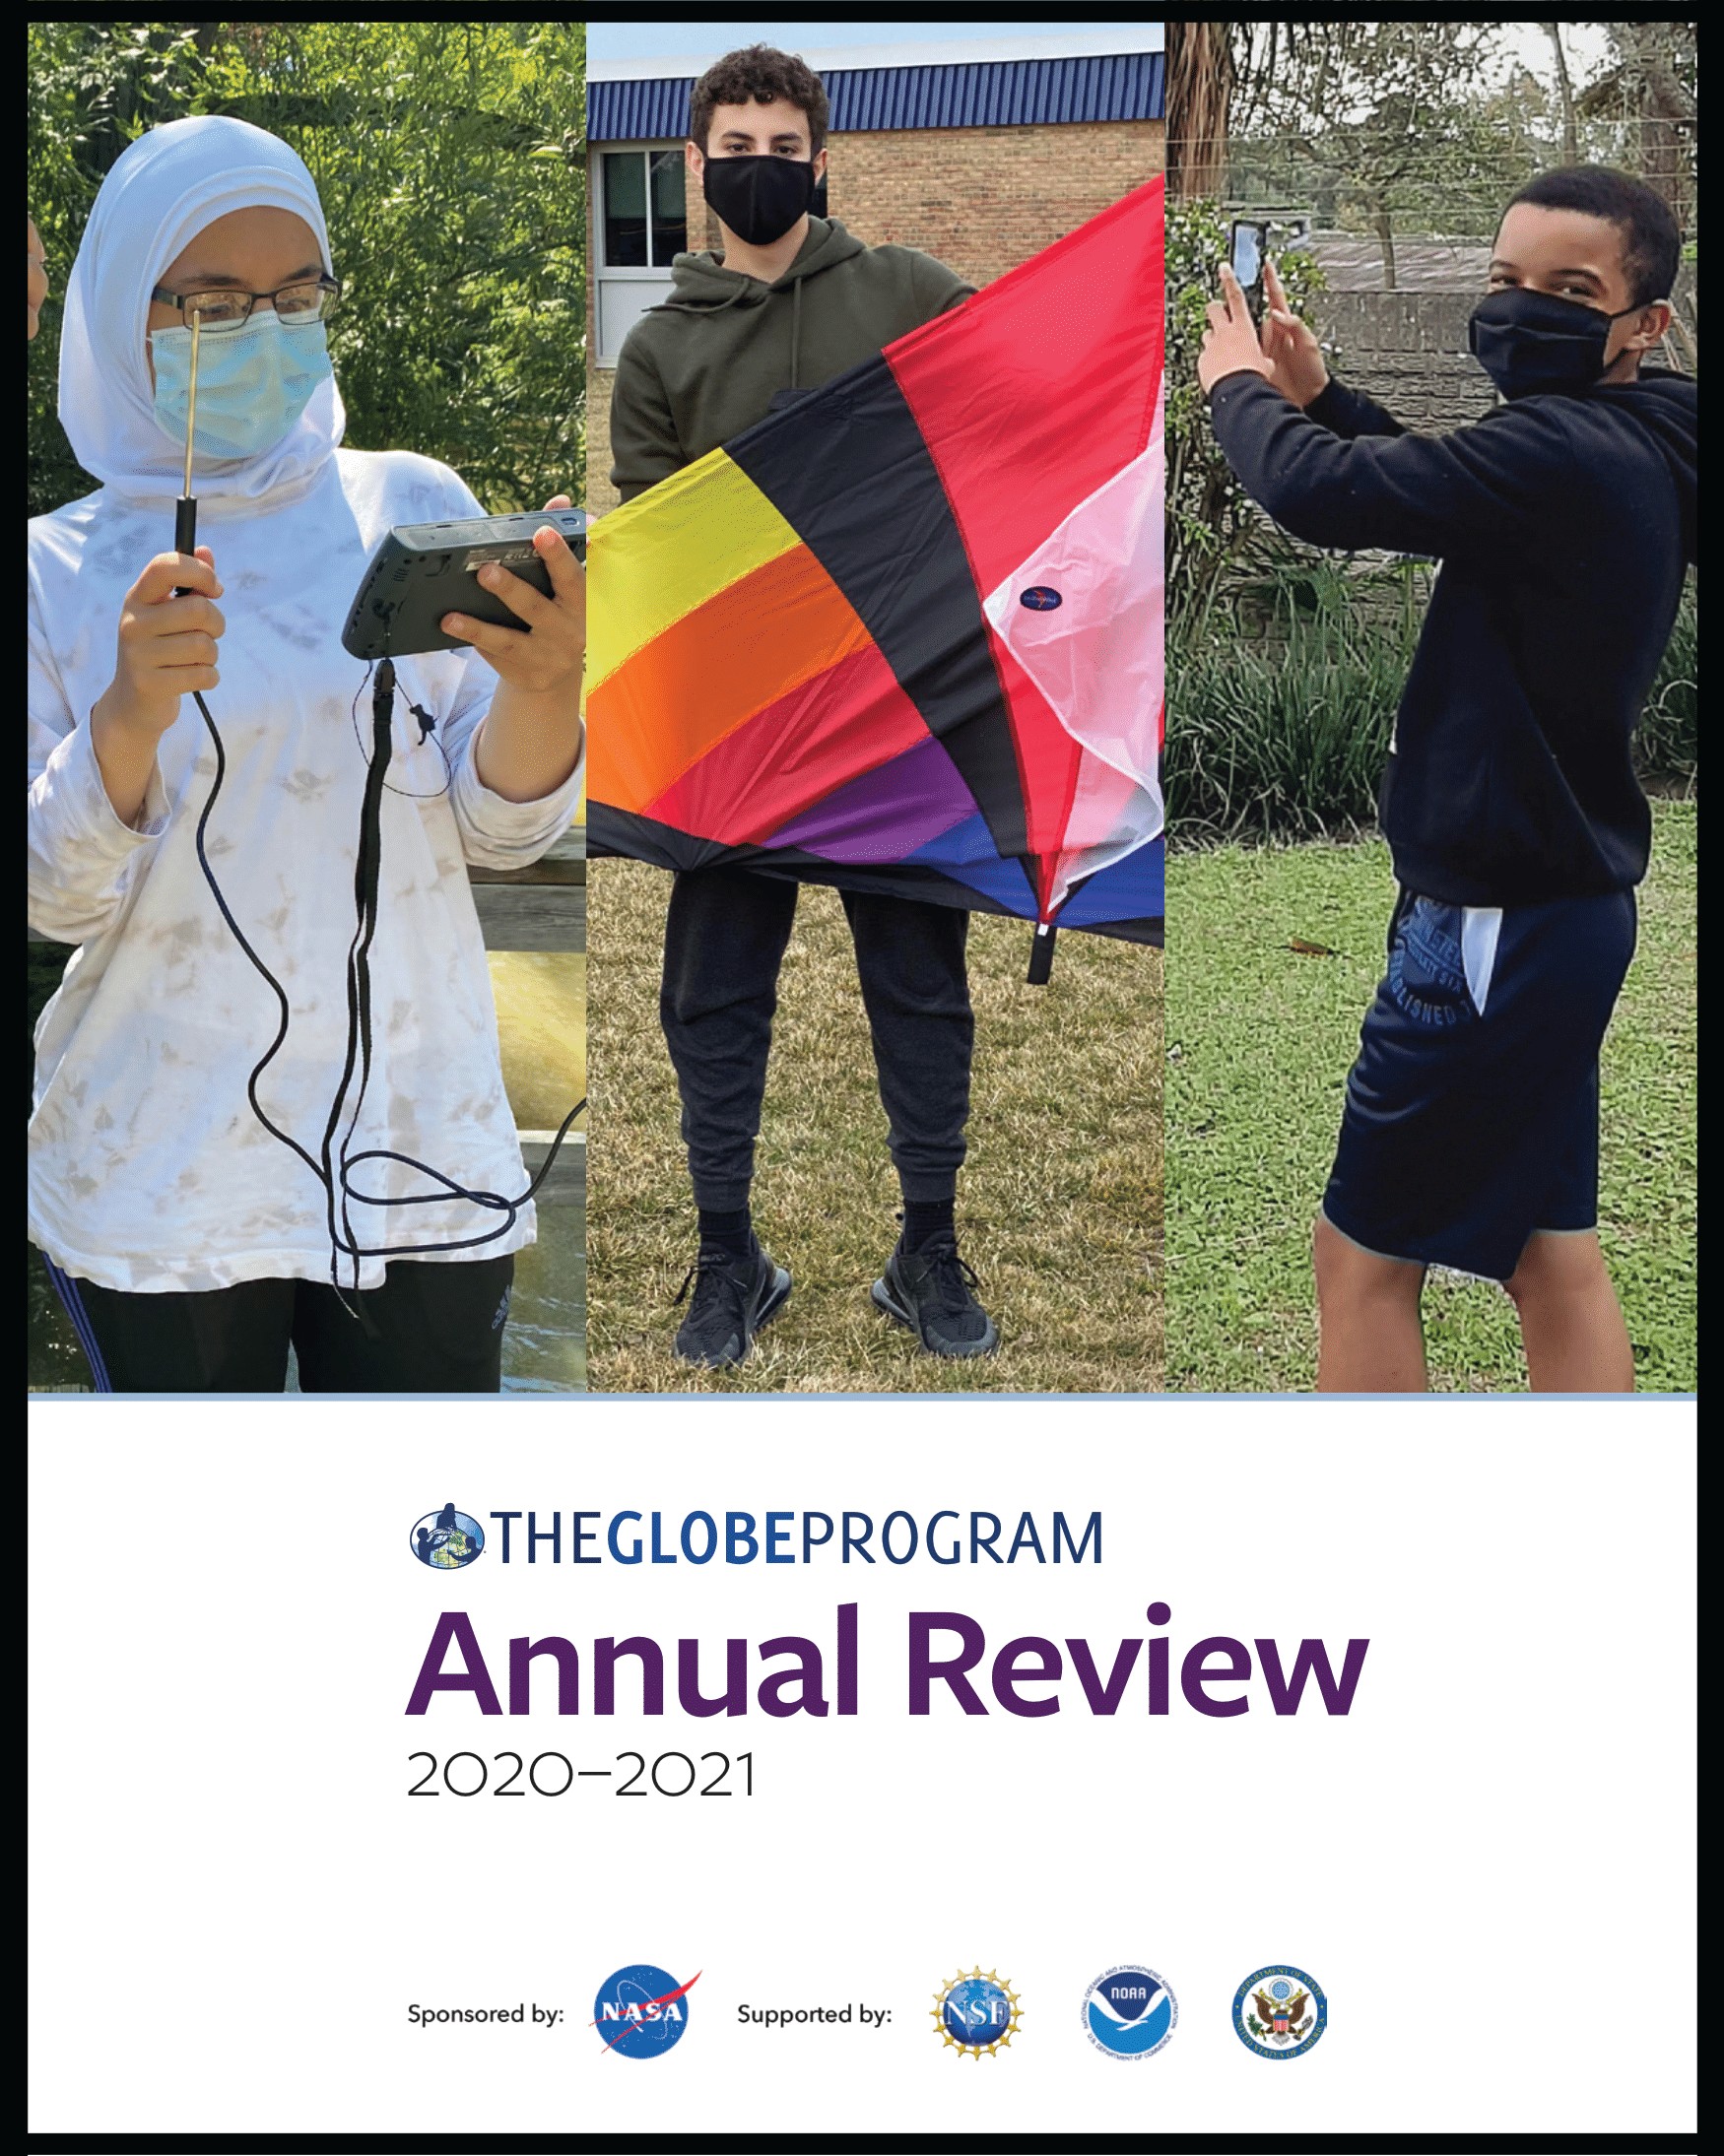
(1247, 246)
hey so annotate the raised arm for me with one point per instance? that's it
(1483, 490)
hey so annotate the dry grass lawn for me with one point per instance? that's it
(1059, 1208)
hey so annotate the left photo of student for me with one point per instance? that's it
(279, 1139)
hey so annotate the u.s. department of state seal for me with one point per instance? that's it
(1279, 2012)
(1129, 2012)
(976, 2014)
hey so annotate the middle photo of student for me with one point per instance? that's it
(879, 610)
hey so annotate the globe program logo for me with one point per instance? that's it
(447, 1540)
(1129, 2012)
(643, 2011)
(977, 2015)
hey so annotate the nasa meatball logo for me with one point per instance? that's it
(1129, 2012)
(643, 2011)
(1040, 599)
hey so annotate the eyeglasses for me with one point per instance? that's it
(312, 301)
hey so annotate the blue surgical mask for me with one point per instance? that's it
(253, 383)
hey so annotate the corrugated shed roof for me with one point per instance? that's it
(1355, 263)
(1126, 86)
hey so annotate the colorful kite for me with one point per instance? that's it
(906, 635)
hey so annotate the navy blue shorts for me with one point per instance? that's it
(1472, 1111)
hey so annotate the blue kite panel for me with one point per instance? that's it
(1133, 889)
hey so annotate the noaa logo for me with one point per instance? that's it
(1129, 2013)
(1040, 599)
(447, 1540)
(976, 2014)
(641, 2012)
(1279, 2012)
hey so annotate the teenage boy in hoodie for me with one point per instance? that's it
(1563, 522)
(793, 300)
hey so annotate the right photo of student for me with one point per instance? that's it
(1453, 499)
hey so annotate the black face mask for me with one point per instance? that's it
(1532, 341)
(757, 198)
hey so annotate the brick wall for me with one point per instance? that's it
(1409, 350)
(982, 199)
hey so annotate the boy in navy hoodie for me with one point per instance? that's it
(1563, 522)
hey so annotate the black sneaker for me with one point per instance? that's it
(733, 1298)
(928, 1289)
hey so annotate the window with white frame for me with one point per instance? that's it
(643, 225)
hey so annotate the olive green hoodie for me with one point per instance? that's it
(706, 364)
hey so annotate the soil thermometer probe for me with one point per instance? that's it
(185, 510)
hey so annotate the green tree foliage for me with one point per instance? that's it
(1363, 123)
(1395, 128)
(450, 157)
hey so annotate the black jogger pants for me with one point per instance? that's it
(724, 942)
(434, 1328)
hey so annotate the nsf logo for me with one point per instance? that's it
(447, 1540)
(977, 2015)
(642, 2012)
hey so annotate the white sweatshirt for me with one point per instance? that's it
(148, 1170)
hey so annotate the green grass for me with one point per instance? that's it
(1059, 1207)
(1259, 1041)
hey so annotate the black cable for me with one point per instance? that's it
(368, 864)
(334, 1171)
(426, 732)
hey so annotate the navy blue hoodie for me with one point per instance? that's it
(1564, 524)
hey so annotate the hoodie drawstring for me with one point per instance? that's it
(795, 331)
(674, 305)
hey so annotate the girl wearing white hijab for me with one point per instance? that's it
(191, 1245)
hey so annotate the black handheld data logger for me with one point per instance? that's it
(422, 571)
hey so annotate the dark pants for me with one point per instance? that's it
(439, 1327)
(724, 942)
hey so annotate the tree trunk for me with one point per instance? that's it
(1565, 93)
(1199, 89)
(1666, 111)
(1383, 225)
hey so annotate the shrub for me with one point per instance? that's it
(1213, 529)
(1668, 744)
(1279, 715)
(1279, 729)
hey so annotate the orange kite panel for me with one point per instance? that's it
(749, 646)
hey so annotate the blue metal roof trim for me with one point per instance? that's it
(636, 111)
(1128, 85)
